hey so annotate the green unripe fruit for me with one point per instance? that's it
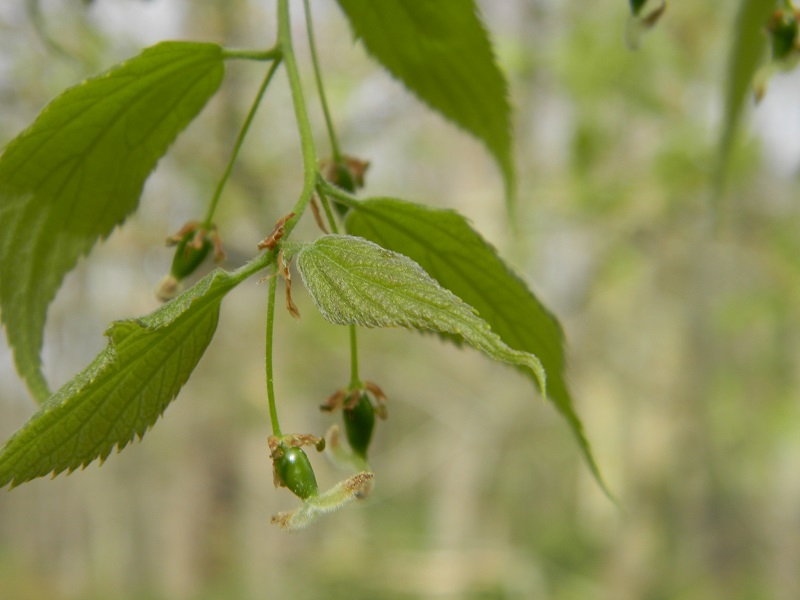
(783, 34)
(188, 258)
(359, 422)
(294, 472)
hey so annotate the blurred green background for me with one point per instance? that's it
(684, 339)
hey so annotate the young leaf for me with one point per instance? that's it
(441, 52)
(78, 171)
(454, 254)
(356, 282)
(748, 50)
(123, 390)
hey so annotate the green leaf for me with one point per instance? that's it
(747, 52)
(441, 52)
(356, 282)
(78, 171)
(454, 254)
(123, 390)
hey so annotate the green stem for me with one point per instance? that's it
(310, 170)
(260, 262)
(338, 193)
(271, 54)
(337, 155)
(355, 382)
(309, 180)
(273, 411)
(238, 145)
(326, 206)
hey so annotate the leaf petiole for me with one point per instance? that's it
(341, 196)
(263, 55)
(337, 154)
(309, 152)
(273, 411)
(326, 206)
(239, 141)
(355, 380)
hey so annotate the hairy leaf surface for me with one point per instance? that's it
(123, 390)
(453, 253)
(441, 52)
(78, 171)
(356, 282)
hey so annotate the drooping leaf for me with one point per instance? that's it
(123, 390)
(356, 282)
(78, 171)
(453, 253)
(441, 52)
(746, 53)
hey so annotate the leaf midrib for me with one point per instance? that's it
(458, 270)
(78, 434)
(55, 130)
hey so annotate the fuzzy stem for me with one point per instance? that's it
(309, 152)
(355, 382)
(326, 206)
(273, 411)
(342, 196)
(337, 155)
(271, 54)
(239, 141)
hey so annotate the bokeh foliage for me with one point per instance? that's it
(683, 330)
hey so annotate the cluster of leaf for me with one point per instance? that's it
(78, 171)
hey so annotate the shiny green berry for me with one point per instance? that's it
(359, 422)
(294, 472)
(188, 257)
